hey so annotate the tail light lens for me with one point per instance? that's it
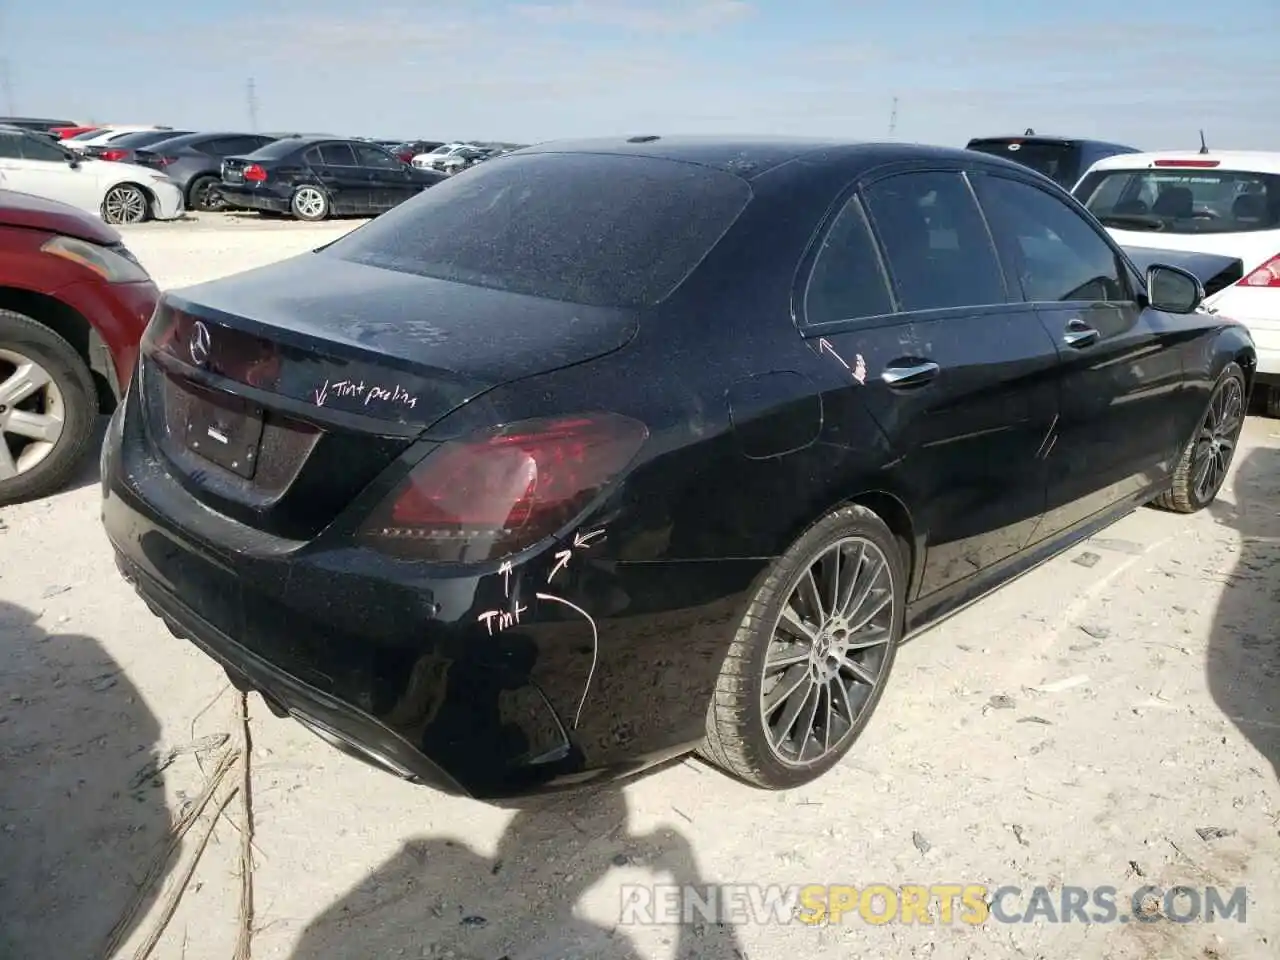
(1267, 275)
(498, 492)
(255, 173)
(113, 154)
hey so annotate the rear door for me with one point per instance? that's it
(907, 294)
(1122, 403)
(389, 182)
(342, 176)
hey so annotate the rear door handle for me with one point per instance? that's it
(914, 374)
(1079, 334)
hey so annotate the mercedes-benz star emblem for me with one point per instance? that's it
(200, 343)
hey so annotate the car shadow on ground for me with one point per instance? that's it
(439, 897)
(80, 819)
(1244, 647)
(87, 472)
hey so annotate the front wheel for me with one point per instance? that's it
(125, 204)
(205, 196)
(811, 657)
(48, 405)
(310, 204)
(1202, 468)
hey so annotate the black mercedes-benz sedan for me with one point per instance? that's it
(608, 451)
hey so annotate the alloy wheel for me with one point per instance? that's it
(208, 198)
(32, 414)
(1215, 444)
(309, 202)
(827, 652)
(124, 204)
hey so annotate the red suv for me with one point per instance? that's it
(73, 304)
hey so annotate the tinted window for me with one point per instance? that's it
(936, 243)
(373, 157)
(279, 150)
(231, 146)
(597, 230)
(145, 138)
(37, 148)
(10, 148)
(1059, 162)
(1058, 254)
(847, 279)
(337, 155)
(1183, 199)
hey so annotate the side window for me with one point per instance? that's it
(35, 148)
(937, 246)
(10, 146)
(232, 146)
(337, 155)
(1057, 254)
(373, 157)
(312, 158)
(847, 281)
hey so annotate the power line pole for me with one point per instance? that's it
(251, 95)
(893, 117)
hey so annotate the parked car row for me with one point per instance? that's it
(308, 176)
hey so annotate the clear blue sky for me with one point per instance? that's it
(1140, 72)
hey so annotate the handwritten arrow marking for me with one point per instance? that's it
(562, 560)
(825, 344)
(595, 648)
(581, 540)
(322, 394)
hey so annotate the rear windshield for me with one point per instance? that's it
(278, 149)
(1059, 162)
(610, 231)
(1183, 200)
(146, 137)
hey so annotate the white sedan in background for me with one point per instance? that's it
(120, 193)
(103, 135)
(1224, 203)
(436, 158)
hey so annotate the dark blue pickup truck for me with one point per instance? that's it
(1062, 159)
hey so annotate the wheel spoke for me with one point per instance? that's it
(859, 596)
(850, 575)
(858, 670)
(873, 638)
(805, 732)
(784, 660)
(787, 685)
(34, 426)
(8, 468)
(809, 588)
(834, 577)
(871, 609)
(795, 703)
(22, 383)
(794, 623)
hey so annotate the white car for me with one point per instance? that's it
(118, 192)
(1225, 203)
(104, 135)
(436, 158)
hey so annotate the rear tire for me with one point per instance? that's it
(70, 395)
(1202, 468)
(310, 204)
(833, 647)
(203, 196)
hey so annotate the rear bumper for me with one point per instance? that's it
(398, 667)
(252, 198)
(168, 202)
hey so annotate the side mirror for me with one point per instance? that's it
(73, 161)
(1173, 290)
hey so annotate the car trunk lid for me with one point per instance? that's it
(1216, 271)
(278, 394)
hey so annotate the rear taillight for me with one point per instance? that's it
(497, 493)
(1267, 275)
(255, 173)
(113, 154)
(405, 155)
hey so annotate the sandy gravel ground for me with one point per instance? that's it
(1152, 759)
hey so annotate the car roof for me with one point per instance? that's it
(1052, 138)
(1252, 161)
(749, 157)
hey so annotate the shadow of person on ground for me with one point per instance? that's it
(1244, 647)
(76, 833)
(438, 895)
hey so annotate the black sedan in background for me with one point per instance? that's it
(194, 162)
(124, 149)
(608, 451)
(313, 178)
